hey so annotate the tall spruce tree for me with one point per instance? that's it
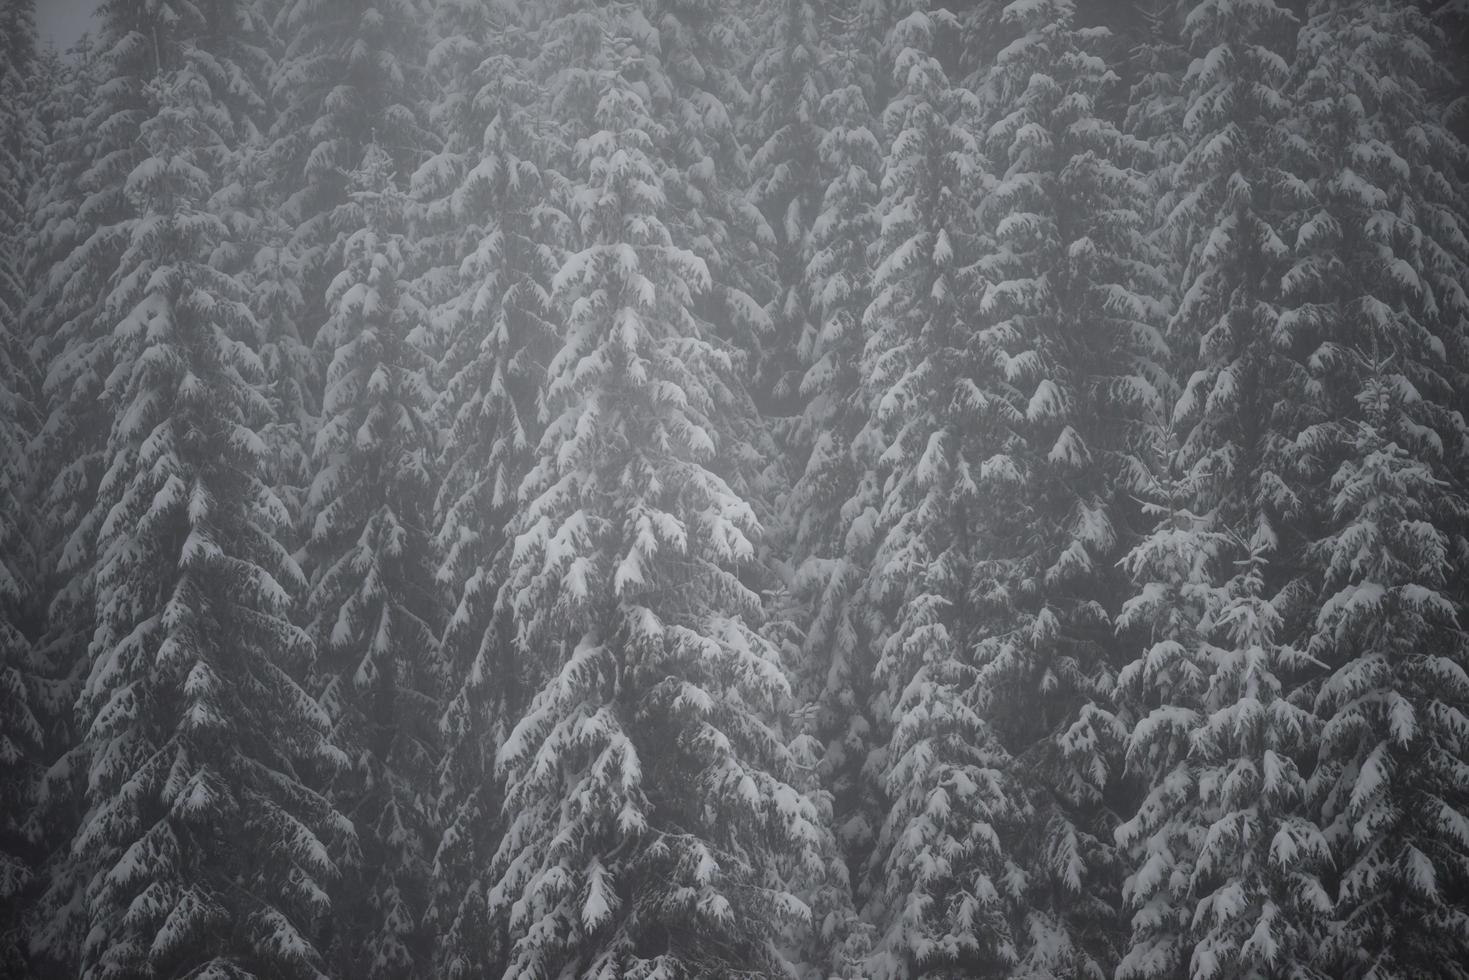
(814, 178)
(649, 790)
(349, 84)
(21, 718)
(943, 884)
(68, 258)
(790, 76)
(699, 49)
(91, 116)
(826, 510)
(824, 505)
(1071, 314)
(1378, 299)
(1157, 64)
(491, 231)
(350, 74)
(73, 210)
(260, 256)
(194, 733)
(698, 54)
(1220, 737)
(1392, 805)
(374, 609)
(347, 74)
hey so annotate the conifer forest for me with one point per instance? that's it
(734, 489)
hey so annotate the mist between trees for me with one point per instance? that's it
(771, 488)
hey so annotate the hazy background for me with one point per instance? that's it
(60, 22)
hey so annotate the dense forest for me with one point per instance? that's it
(683, 489)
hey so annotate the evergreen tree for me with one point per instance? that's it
(1219, 737)
(373, 608)
(349, 84)
(697, 54)
(68, 258)
(790, 78)
(823, 439)
(1392, 802)
(814, 178)
(698, 48)
(91, 115)
(194, 732)
(261, 258)
(651, 811)
(1070, 316)
(1153, 117)
(1157, 65)
(827, 514)
(488, 204)
(184, 661)
(18, 138)
(1378, 299)
(21, 721)
(943, 886)
(350, 75)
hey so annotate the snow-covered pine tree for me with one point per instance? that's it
(821, 441)
(697, 54)
(1071, 318)
(18, 145)
(1393, 801)
(348, 74)
(67, 261)
(21, 723)
(826, 516)
(1159, 696)
(21, 149)
(1157, 62)
(814, 171)
(351, 73)
(489, 206)
(1220, 741)
(374, 609)
(651, 811)
(754, 257)
(90, 111)
(1378, 301)
(78, 243)
(348, 85)
(790, 77)
(942, 887)
(294, 389)
(194, 733)
(260, 257)
(1157, 65)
